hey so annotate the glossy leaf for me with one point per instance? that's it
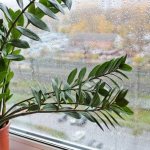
(96, 121)
(15, 57)
(128, 110)
(113, 81)
(19, 43)
(37, 97)
(71, 76)
(102, 119)
(33, 108)
(122, 74)
(37, 22)
(20, 3)
(5, 10)
(102, 69)
(28, 33)
(81, 74)
(74, 115)
(68, 3)
(3, 66)
(88, 116)
(93, 71)
(125, 67)
(50, 107)
(3, 95)
(46, 10)
(2, 75)
(107, 118)
(32, 9)
(56, 5)
(96, 100)
(56, 90)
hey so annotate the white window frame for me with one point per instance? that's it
(25, 140)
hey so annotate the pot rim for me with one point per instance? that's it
(5, 127)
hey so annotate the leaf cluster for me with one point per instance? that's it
(95, 95)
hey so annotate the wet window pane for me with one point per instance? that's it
(92, 32)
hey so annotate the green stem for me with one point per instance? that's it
(41, 112)
(72, 88)
(13, 24)
(4, 43)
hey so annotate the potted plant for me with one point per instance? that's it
(83, 94)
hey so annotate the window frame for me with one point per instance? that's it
(51, 142)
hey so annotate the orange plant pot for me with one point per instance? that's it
(4, 138)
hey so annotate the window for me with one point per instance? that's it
(92, 32)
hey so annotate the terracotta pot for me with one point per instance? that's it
(4, 138)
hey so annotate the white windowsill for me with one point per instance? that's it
(19, 143)
(24, 140)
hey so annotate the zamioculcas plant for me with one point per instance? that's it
(87, 94)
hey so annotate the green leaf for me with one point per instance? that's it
(118, 114)
(121, 73)
(56, 5)
(93, 72)
(103, 92)
(8, 97)
(56, 90)
(3, 66)
(125, 67)
(3, 96)
(74, 115)
(5, 10)
(112, 118)
(19, 43)
(87, 116)
(124, 59)
(121, 95)
(33, 108)
(115, 83)
(70, 96)
(96, 121)
(102, 119)
(2, 75)
(32, 9)
(50, 107)
(122, 102)
(15, 34)
(128, 110)
(88, 98)
(37, 97)
(16, 52)
(116, 64)
(68, 3)
(20, 3)
(36, 21)
(108, 119)
(72, 76)
(46, 10)
(81, 74)
(9, 77)
(96, 100)
(102, 69)
(28, 33)
(14, 15)
(15, 57)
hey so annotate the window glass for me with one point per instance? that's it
(92, 32)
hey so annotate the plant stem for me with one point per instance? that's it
(41, 112)
(72, 88)
(5, 41)
(13, 24)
